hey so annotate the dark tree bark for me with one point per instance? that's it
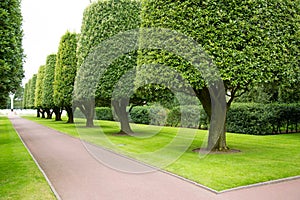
(43, 113)
(70, 114)
(49, 113)
(214, 103)
(38, 113)
(57, 111)
(88, 108)
(122, 114)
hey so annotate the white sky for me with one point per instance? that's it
(44, 22)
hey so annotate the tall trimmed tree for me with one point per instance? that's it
(47, 95)
(101, 21)
(249, 41)
(38, 95)
(31, 95)
(65, 72)
(25, 96)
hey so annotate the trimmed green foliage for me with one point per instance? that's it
(140, 114)
(187, 116)
(11, 51)
(65, 70)
(248, 40)
(38, 97)
(104, 113)
(25, 96)
(19, 176)
(47, 97)
(104, 19)
(31, 96)
(154, 115)
(262, 119)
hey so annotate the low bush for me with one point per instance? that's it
(78, 113)
(246, 118)
(187, 116)
(263, 119)
(104, 113)
(154, 115)
(140, 115)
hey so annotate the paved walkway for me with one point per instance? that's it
(75, 174)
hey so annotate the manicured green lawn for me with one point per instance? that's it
(262, 158)
(20, 178)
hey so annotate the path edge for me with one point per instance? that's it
(37, 164)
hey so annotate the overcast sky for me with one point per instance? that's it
(44, 22)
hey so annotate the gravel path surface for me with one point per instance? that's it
(75, 174)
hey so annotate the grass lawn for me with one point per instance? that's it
(20, 178)
(262, 158)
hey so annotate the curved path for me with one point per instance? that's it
(75, 174)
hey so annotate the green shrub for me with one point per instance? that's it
(78, 113)
(187, 116)
(263, 119)
(140, 114)
(104, 113)
(248, 119)
(154, 115)
(158, 115)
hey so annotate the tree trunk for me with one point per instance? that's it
(70, 114)
(38, 113)
(43, 114)
(217, 137)
(120, 109)
(214, 103)
(49, 113)
(90, 119)
(57, 112)
(88, 108)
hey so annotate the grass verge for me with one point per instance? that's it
(262, 158)
(20, 178)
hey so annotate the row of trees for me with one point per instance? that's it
(249, 42)
(50, 90)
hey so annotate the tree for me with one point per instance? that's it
(249, 42)
(38, 95)
(101, 21)
(31, 96)
(18, 98)
(47, 86)
(11, 52)
(65, 72)
(25, 96)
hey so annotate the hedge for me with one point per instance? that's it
(188, 116)
(154, 115)
(263, 119)
(101, 113)
(245, 118)
(104, 113)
